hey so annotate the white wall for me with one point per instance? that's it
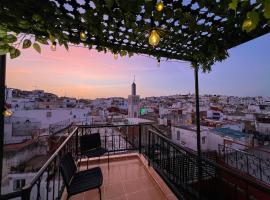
(57, 115)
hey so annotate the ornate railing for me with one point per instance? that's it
(246, 162)
(188, 176)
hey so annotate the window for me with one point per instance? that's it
(18, 184)
(203, 139)
(49, 114)
(178, 135)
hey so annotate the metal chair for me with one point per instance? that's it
(78, 182)
(90, 147)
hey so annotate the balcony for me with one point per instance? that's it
(143, 164)
(127, 176)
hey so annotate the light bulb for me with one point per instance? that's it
(7, 113)
(159, 6)
(83, 36)
(115, 56)
(158, 63)
(154, 38)
(53, 47)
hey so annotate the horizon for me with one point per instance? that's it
(139, 95)
(83, 73)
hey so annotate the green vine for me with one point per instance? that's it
(120, 26)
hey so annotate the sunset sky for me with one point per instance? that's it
(82, 73)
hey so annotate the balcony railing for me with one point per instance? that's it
(246, 162)
(188, 176)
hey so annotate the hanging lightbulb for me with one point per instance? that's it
(158, 63)
(83, 36)
(159, 6)
(53, 47)
(115, 56)
(154, 38)
(7, 113)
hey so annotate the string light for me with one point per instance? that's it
(154, 38)
(115, 56)
(83, 36)
(53, 47)
(7, 113)
(159, 6)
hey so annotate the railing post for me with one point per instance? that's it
(247, 165)
(236, 159)
(149, 148)
(260, 168)
(2, 107)
(26, 194)
(140, 139)
(196, 69)
(77, 141)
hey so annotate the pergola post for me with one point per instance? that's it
(198, 128)
(2, 107)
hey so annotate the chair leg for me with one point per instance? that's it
(99, 190)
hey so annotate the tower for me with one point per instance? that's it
(133, 102)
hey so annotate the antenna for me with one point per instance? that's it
(134, 79)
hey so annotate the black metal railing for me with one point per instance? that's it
(177, 166)
(48, 184)
(246, 162)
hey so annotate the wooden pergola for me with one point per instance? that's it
(199, 32)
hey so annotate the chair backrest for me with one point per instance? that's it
(91, 141)
(67, 169)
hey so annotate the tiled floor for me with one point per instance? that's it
(127, 179)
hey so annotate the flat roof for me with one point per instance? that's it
(138, 120)
(230, 133)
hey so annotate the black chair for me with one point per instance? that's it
(90, 146)
(77, 182)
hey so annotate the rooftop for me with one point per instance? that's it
(230, 133)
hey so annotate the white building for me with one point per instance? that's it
(133, 103)
(23, 124)
(186, 136)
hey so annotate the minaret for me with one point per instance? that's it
(133, 87)
(133, 102)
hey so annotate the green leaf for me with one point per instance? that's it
(24, 24)
(123, 53)
(130, 54)
(52, 38)
(37, 47)
(42, 40)
(3, 32)
(267, 9)
(36, 17)
(268, 23)
(14, 53)
(251, 22)
(11, 38)
(26, 43)
(109, 3)
(233, 5)
(4, 49)
(66, 45)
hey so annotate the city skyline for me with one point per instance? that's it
(82, 73)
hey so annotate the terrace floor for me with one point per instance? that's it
(128, 177)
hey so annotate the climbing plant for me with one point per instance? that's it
(197, 31)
